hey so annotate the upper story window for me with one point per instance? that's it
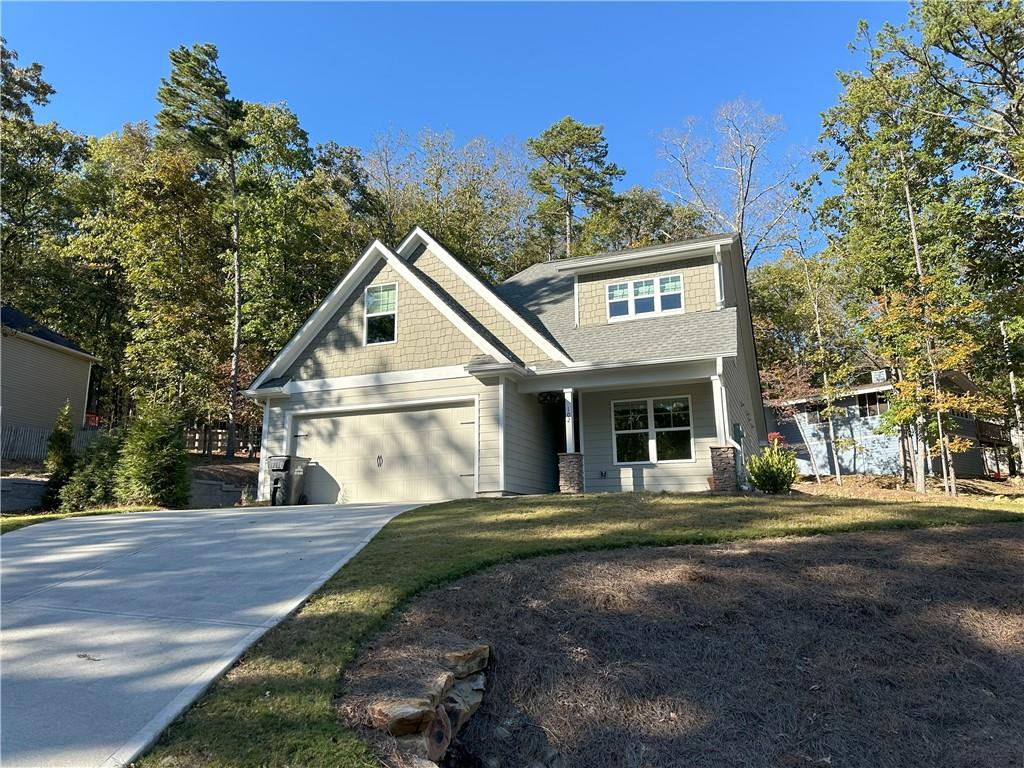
(645, 297)
(380, 314)
(872, 404)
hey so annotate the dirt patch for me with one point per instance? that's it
(873, 649)
(237, 472)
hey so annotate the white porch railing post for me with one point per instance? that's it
(570, 422)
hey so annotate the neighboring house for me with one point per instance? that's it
(623, 371)
(870, 452)
(40, 370)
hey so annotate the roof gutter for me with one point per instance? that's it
(652, 255)
(268, 393)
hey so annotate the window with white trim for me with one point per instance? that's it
(652, 431)
(380, 314)
(645, 297)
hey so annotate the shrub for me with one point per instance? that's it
(774, 469)
(153, 466)
(60, 457)
(92, 483)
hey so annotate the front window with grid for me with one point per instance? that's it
(652, 430)
(381, 313)
(872, 404)
(645, 298)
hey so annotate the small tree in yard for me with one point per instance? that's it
(92, 483)
(153, 465)
(774, 469)
(60, 456)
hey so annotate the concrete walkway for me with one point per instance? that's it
(113, 625)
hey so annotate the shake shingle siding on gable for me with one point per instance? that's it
(461, 294)
(425, 338)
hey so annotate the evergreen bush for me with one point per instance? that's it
(92, 483)
(774, 469)
(60, 457)
(153, 465)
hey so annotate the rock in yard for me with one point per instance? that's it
(467, 659)
(430, 744)
(463, 699)
(402, 717)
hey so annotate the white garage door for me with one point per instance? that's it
(417, 454)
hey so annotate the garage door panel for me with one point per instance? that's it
(424, 454)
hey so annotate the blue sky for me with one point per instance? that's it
(351, 71)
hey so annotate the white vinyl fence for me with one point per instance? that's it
(17, 442)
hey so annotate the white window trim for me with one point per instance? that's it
(631, 298)
(368, 315)
(652, 432)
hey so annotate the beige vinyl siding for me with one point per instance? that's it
(744, 380)
(741, 410)
(698, 287)
(488, 316)
(598, 451)
(279, 439)
(531, 465)
(425, 337)
(37, 380)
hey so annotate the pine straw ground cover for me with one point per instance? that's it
(277, 706)
(870, 649)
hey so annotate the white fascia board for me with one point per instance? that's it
(583, 366)
(651, 255)
(617, 377)
(270, 393)
(322, 313)
(406, 249)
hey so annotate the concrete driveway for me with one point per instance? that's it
(113, 625)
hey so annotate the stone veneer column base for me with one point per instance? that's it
(723, 469)
(570, 472)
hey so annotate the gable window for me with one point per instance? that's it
(872, 404)
(645, 297)
(652, 431)
(380, 314)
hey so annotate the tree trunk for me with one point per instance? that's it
(952, 470)
(1013, 397)
(568, 227)
(920, 480)
(236, 339)
(821, 351)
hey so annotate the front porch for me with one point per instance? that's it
(650, 428)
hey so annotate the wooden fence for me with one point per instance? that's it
(210, 441)
(18, 442)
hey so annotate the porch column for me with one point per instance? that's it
(570, 422)
(724, 476)
(570, 463)
(718, 392)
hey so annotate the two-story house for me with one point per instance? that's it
(416, 380)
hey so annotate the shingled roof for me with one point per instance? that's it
(17, 321)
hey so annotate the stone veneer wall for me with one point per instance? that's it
(425, 338)
(698, 287)
(723, 469)
(570, 472)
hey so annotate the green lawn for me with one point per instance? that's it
(275, 707)
(10, 523)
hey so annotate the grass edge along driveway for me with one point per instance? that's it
(275, 708)
(13, 522)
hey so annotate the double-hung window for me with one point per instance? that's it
(645, 297)
(380, 303)
(872, 404)
(652, 431)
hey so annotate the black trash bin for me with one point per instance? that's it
(286, 476)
